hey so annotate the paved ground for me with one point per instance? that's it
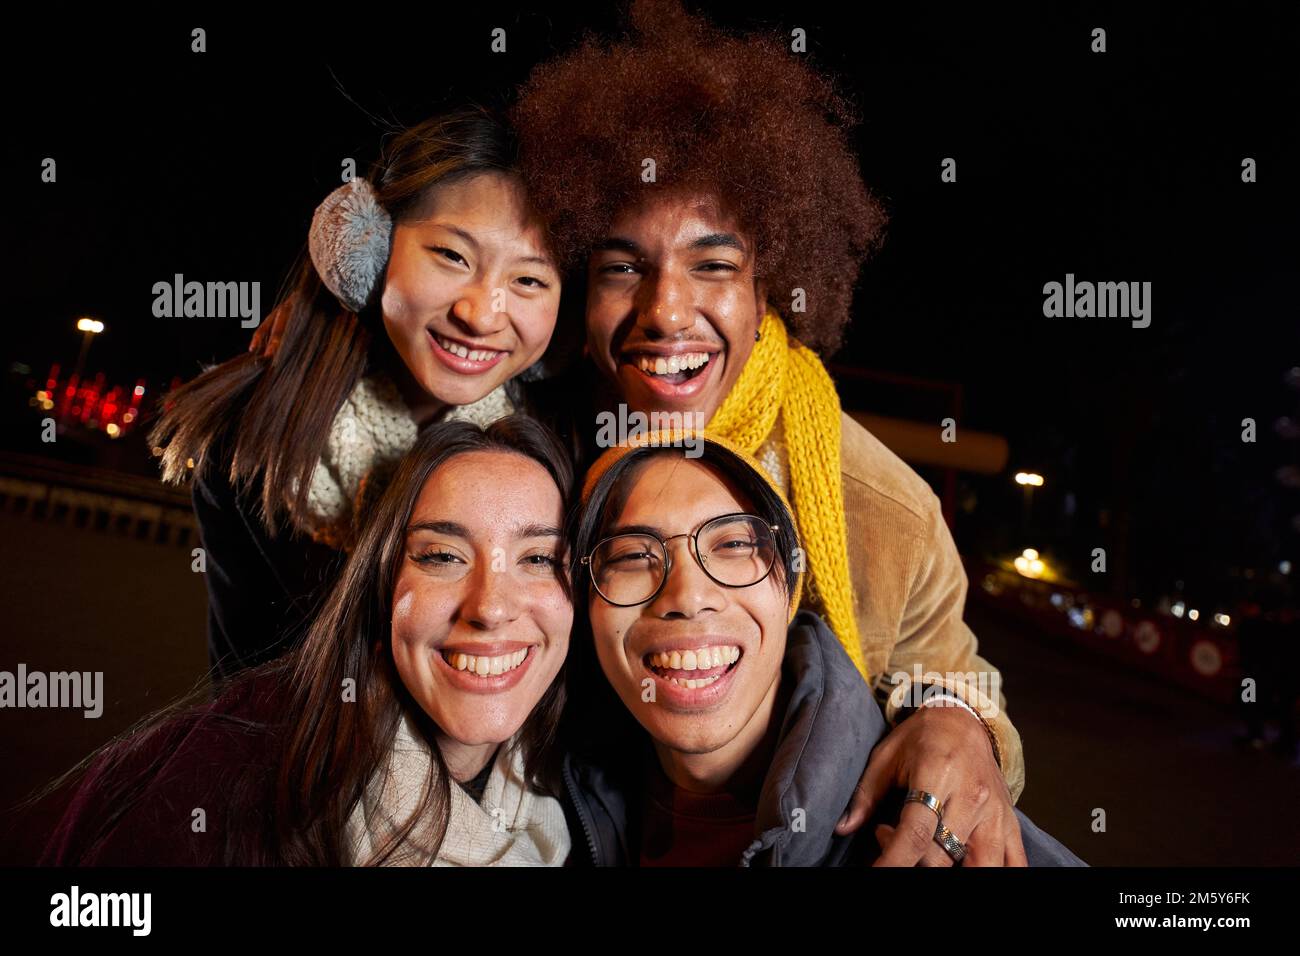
(87, 601)
(1160, 762)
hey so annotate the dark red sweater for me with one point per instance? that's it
(213, 759)
(681, 828)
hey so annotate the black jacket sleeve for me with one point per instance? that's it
(263, 587)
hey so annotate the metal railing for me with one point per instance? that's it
(96, 499)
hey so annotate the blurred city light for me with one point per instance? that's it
(1030, 564)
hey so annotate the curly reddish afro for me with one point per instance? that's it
(740, 118)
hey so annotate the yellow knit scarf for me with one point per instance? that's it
(785, 377)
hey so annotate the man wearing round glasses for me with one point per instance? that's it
(754, 724)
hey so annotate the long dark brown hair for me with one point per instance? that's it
(325, 750)
(285, 398)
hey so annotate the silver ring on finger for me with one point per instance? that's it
(926, 799)
(951, 845)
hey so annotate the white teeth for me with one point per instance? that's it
(693, 683)
(703, 658)
(474, 355)
(486, 666)
(658, 365)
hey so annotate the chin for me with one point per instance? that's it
(461, 391)
(473, 733)
(689, 740)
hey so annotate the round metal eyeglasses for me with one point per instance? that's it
(734, 550)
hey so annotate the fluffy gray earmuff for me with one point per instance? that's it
(349, 242)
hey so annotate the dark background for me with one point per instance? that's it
(1122, 166)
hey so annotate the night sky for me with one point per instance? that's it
(1122, 166)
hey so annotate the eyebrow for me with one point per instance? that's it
(460, 531)
(457, 231)
(634, 529)
(714, 240)
(539, 531)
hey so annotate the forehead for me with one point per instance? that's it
(487, 490)
(676, 213)
(675, 493)
(490, 205)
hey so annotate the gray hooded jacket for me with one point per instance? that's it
(829, 729)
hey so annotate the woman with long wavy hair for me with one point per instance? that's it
(415, 725)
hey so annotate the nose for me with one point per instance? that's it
(490, 600)
(688, 591)
(473, 310)
(665, 309)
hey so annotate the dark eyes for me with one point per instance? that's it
(439, 558)
(451, 255)
(617, 268)
(737, 544)
(627, 268)
(633, 557)
(436, 557)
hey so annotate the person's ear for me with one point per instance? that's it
(760, 302)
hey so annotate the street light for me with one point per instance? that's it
(89, 328)
(1028, 480)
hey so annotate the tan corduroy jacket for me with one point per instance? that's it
(909, 588)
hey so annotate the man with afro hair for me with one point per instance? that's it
(701, 187)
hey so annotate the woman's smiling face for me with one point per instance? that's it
(481, 618)
(471, 294)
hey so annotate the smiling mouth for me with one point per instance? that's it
(693, 669)
(484, 666)
(673, 369)
(461, 350)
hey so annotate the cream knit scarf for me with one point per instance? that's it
(510, 826)
(373, 429)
